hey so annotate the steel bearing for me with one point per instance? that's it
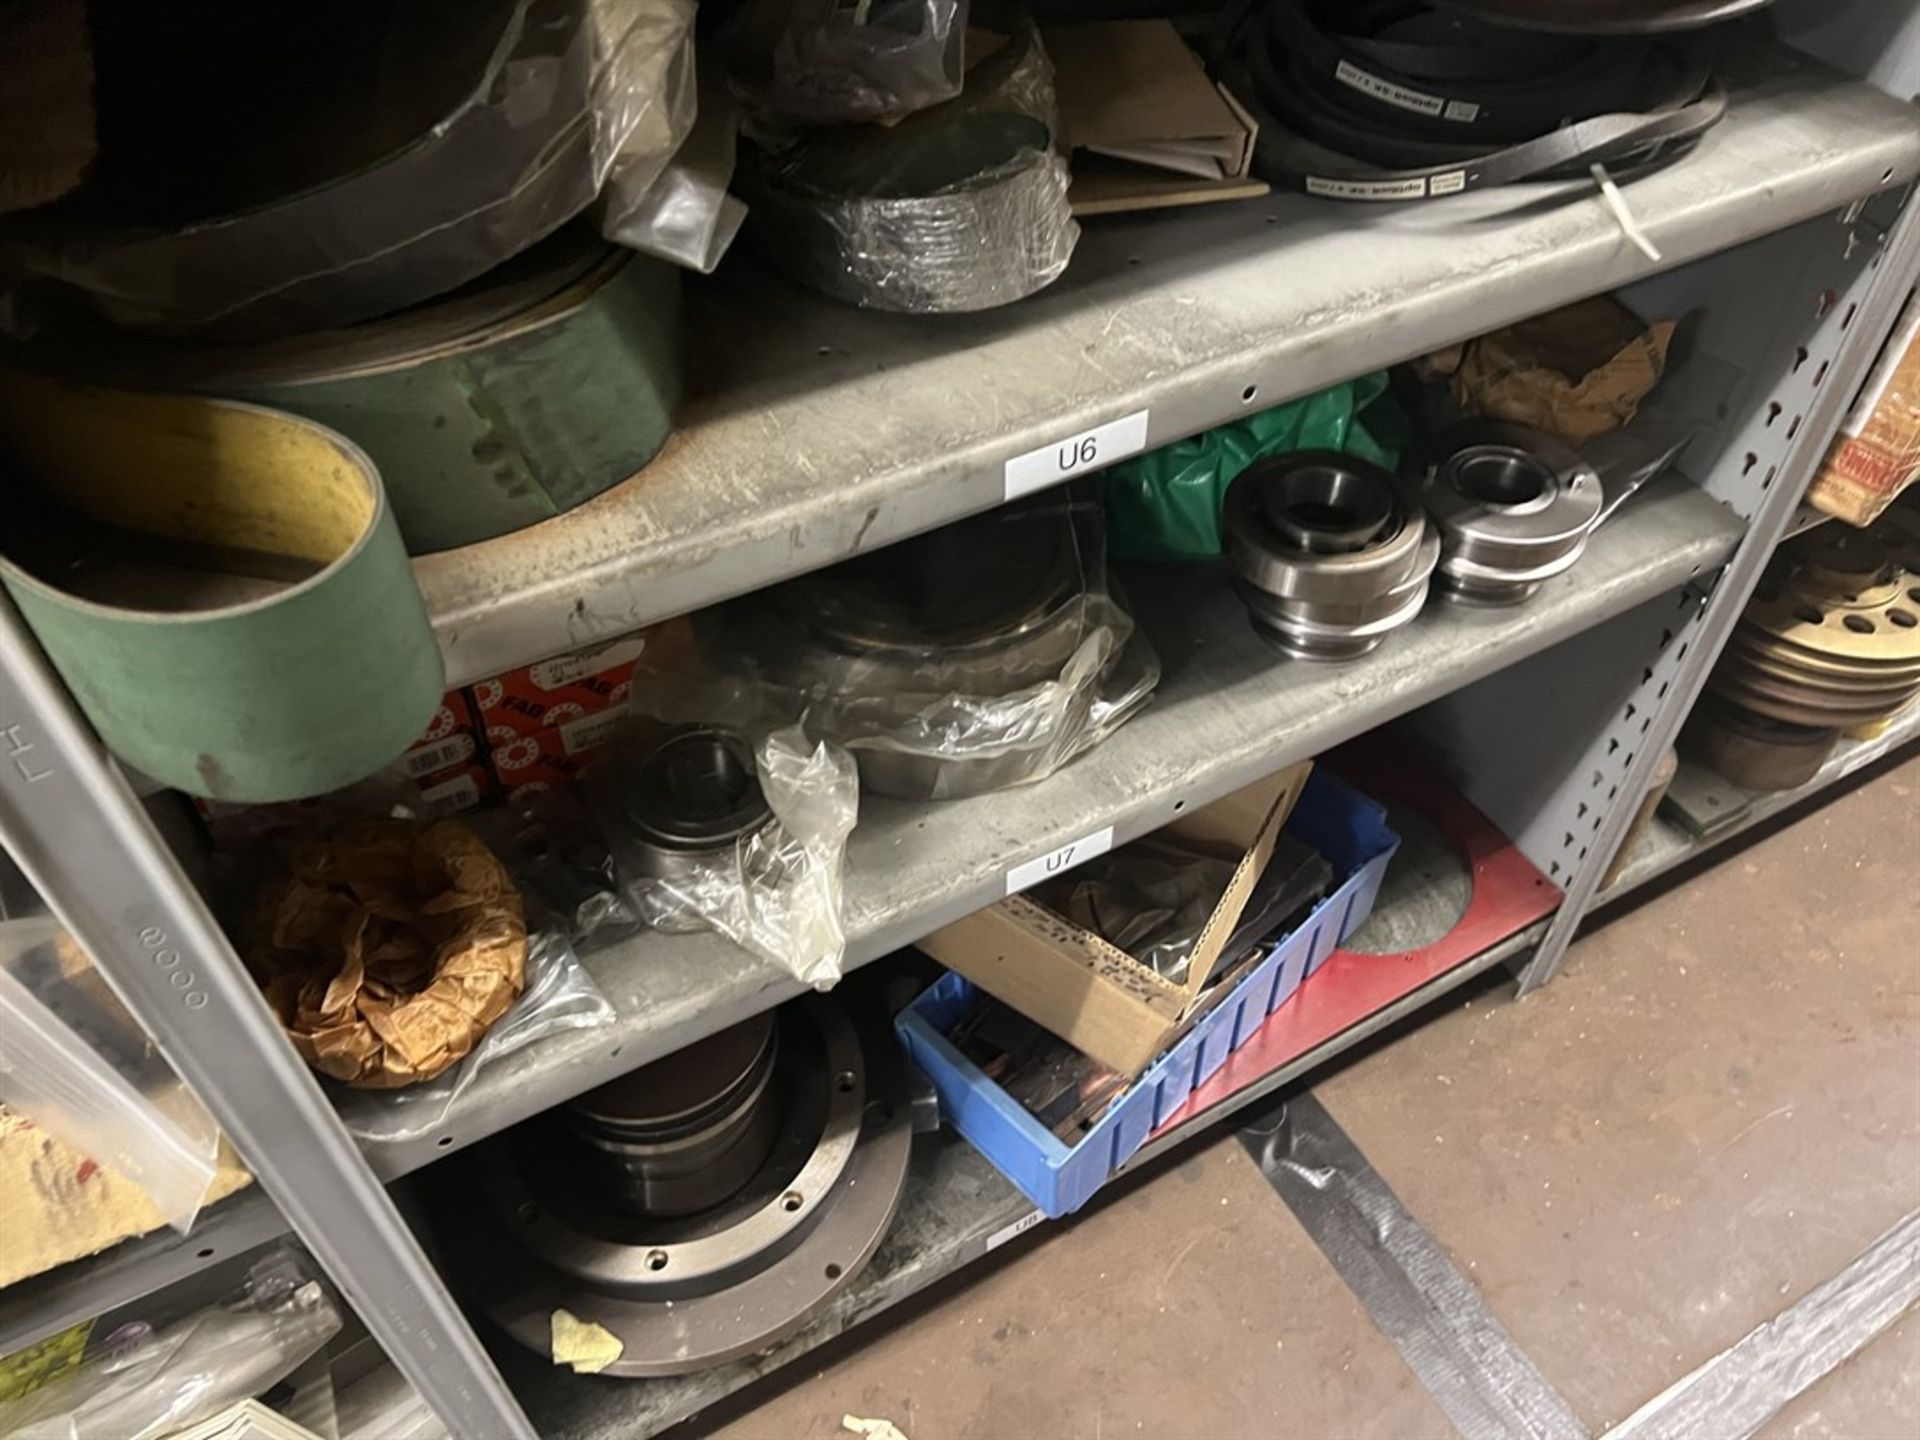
(676, 816)
(1326, 552)
(1514, 508)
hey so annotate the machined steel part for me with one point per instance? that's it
(684, 1133)
(684, 1293)
(1327, 553)
(676, 815)
(986, 611)
(1514, 508)
(1758, 753)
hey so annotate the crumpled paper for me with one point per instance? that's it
(1575, 372)
(389, 948)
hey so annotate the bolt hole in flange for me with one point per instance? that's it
(1859, 624)
(845, 1081)
(1904, 619)
(833, 1272)
(1246, 395)
(1808, 615)
(792, 1200)
(656, 1260)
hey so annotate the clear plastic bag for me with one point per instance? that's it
(978, 657)
(76, 1063)
(559, 996)
(683, 212)
(958, 208)
(409, 150)
(824, 62)
(776, 886)
(182, 1373)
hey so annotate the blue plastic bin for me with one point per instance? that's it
(1343, 825)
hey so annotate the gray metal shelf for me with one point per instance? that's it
(41, 1305)
(1666, 844)
(815, 431)
(1229, 711)
(955, 1210)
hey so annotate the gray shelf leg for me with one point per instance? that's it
(76, 829)
(1875, 295)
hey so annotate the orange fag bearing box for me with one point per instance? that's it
(543, 721)
(1877, 452)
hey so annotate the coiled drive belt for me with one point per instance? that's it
(1514, 508)
(1327, 554)
(1389, 100)
(1607, 17)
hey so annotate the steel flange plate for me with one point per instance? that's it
(682, 1295)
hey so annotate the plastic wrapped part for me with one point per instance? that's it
(683, 213)
(983, 655)
(1165, 505)
(389, 153)
(77, 1064)
(962, 207)
(711, 832)
(560, 996)
(824, 62)
(168, 1379)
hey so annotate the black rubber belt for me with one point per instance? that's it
(1336, 133)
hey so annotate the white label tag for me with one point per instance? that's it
(1056, 861)
(1416, 100)
(1451, 183)
(1049, 465)
(1465, 111)
(1018, 1227)
(1367, 189)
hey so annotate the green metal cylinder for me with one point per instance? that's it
(222, 587)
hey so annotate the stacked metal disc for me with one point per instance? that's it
(699, 1209)
(1514, 508)
(1830, 641)
(1327, 551)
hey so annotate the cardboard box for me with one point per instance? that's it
(541, 723)
(1147, 127)
(1092, 995)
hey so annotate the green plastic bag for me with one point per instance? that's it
(1165, 505)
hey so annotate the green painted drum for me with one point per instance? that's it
(509, 401)
(222, 587)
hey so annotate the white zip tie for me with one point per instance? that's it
(1617, 203)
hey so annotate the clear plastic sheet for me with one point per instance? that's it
(348, 221)
(778, 890)
(75, 1062)
(962, 207)
(982, 656)
(164, 1380)
(824, 62)
(560, 996)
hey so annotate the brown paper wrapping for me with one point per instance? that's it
(1576, 372)
(389, 949)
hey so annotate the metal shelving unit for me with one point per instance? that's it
(816, 432)
(1666, 844)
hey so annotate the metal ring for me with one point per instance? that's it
(1514, 508)
(1326, 552)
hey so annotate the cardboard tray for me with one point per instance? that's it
(1332, 817)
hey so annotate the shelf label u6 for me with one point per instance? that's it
(1077, 454)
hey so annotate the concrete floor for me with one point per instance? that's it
(1713, 1109)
